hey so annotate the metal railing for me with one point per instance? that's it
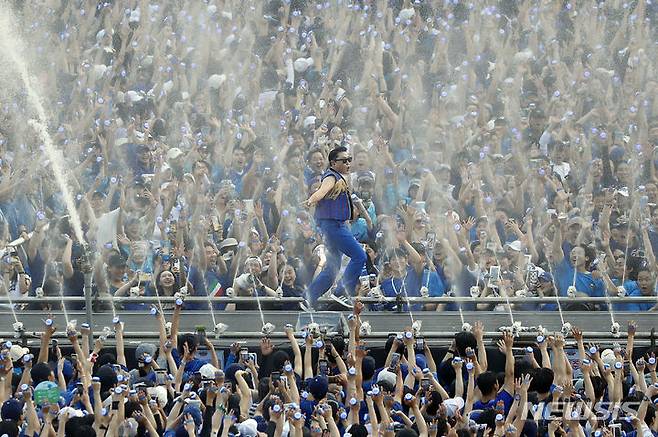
(499, 299)
(365, 300)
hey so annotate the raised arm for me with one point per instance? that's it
(478, 332)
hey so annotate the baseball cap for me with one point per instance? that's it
(365, 176)
(248, 428)
(12, 409)
(318, 387)
(16, 352)
(514, 245)
(174, 153)
(145, 348)
(387, 379)
(228, 243)
(208, 371)
(453, 405)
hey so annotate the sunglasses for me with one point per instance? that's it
(344, 159)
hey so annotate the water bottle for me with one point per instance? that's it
(364, 279)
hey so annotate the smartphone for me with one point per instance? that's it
(200, 335)
(160, 376)
(395, 360)
(53, 346)
(74, 359)
(253, 357)
(215, 223)
(425, 384)
(275, 377)
(420, 343)
(249, 206)
(528, 261)
(365, 282)
(323, 367)
(430, 237)
(244, 354)
(494, 274)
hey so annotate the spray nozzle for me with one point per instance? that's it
(365, 329)
(220, 328)
(475, 291)
(18, 327)
(571, 291)
(416, 327)
(268, 328)
(313, 329)
(615, 329)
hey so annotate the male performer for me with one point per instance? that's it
(333, 211)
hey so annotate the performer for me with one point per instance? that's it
(333, 210)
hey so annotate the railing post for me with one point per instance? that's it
(88, 304)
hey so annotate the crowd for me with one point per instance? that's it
(495, 148)
(320, 383)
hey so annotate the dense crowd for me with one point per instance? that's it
(495, 148)
(320, 383)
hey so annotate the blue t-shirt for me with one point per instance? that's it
(409, 286)
(502, 395)
(632, 290)
(433, 282)
(584, 283)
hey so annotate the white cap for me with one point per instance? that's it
(216, 80)
(133, 96)
(608, 357)
(99, 70)
(302, 64)
(387, 376)
(514, 245)
(174, 153)
(406, 14)
(309, 121)
(453, 405)
(16, 352)
(208, 371)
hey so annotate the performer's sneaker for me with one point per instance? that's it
(304, 306)
(342, 300)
